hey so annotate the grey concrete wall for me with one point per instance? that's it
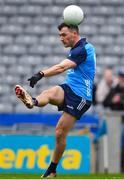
(113, 120)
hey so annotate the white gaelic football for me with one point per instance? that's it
(73, 15)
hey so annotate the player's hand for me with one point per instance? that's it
(35, 78)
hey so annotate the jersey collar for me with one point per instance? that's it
(82, 41)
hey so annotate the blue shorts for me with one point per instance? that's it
(73, 104)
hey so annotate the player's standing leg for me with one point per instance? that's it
(65, 123)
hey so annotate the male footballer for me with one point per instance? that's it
(73, 96)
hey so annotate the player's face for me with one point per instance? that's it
(66, 37)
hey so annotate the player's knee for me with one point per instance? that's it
(60, 138)
(47, 93)
(59, 133)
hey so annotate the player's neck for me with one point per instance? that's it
(76, 40)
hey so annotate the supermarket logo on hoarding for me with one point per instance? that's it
(32, 154)
(29, 158)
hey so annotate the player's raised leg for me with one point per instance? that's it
(54, 95)
(63, 127)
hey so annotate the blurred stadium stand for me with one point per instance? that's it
(29, 41)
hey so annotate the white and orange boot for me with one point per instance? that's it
(24, 96)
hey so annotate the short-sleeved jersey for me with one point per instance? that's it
(80, 79)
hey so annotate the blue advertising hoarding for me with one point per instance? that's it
(90, 120)
(32, 154)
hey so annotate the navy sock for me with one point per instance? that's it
(53, 166)
(51, 169)
(35, 101)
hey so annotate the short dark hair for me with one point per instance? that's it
(71, 27)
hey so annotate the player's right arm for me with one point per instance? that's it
(52, 71)
(59, 68)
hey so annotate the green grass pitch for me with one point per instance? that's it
(76, 176)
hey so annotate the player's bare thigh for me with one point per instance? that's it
(54, 95)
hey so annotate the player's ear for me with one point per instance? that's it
(74, 33)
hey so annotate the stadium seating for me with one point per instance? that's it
(29, 41)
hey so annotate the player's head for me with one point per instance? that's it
(68, 34)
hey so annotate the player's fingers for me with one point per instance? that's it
(32, 84)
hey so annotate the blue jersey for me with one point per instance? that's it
(81, 78)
